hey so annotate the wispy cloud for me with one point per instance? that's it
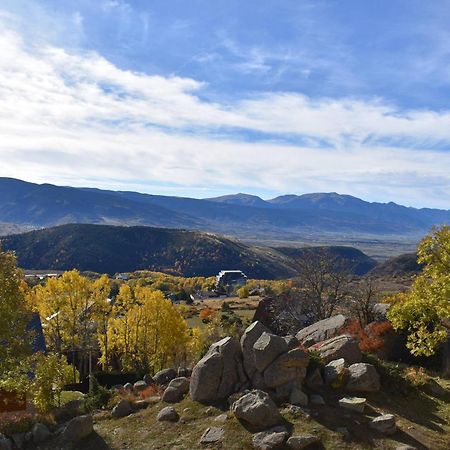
(73, 117)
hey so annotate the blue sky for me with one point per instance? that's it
(206, 97)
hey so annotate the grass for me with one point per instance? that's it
(423, 420)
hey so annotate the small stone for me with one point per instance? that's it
(128, 386)
(302, 441)
(212, 435)
(316, 399)
(222, 418)
(272, 439)
(353, 403)
(384, 424)
(405, 447)
(122, 409)
(168, 414)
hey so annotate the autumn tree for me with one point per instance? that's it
(424, 311)
(13, 313)
(324, 283)
(363, 296)
(148, 332)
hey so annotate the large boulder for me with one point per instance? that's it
(248, 339)
(344, 346)
(267, 348)
(363, 378)
(257, 409)
(176, 390)
(165, 376)
(287, 367)
(321, 330)
(219, 373)
(78, 428)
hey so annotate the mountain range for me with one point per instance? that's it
(25, 206)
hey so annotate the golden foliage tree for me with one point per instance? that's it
(424, 311)
(13, 312)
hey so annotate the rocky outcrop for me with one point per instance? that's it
(363, 378)
(344, 346)
(267, 348)
(219, 373)
(250, 336)
(78, 428)
(176, 390)
(321, 330)
(257, 409)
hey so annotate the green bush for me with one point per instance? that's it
(98, 396)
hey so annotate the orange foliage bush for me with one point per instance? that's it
(150, 391)
(206, 313)
(370, 338)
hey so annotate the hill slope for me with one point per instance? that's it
(402, 265)
(111, 249)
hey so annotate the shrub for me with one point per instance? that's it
(51, 373)
(17, 422)
(370, 338)
(150, 391)
(416, 376)
(207, 314)
(243, 292)
(98, 396)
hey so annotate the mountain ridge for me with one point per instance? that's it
(290, 217)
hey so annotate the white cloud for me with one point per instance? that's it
(78, 119)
